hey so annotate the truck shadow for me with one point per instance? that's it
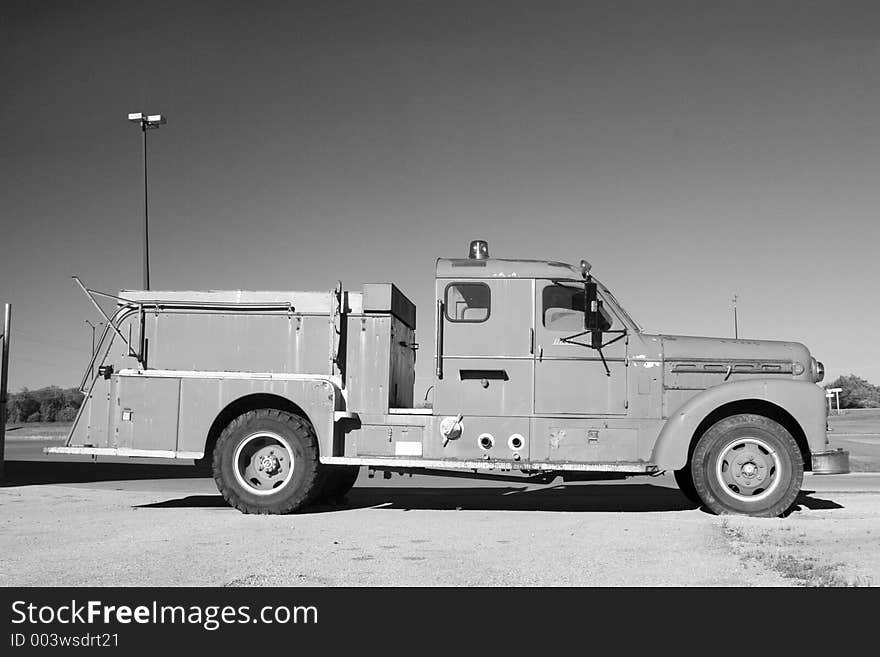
(635, 498)
(591, 497)
(632, 498)
(805, 500)
(27, 473)
(563, 497)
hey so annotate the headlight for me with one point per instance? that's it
(818, 370)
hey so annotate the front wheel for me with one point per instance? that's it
(266, 461)
(747, 464)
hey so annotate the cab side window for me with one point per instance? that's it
(467, 302)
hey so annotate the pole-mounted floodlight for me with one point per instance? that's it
(146, 122)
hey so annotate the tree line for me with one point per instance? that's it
(49, 404)
(856, 392)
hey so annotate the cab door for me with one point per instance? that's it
(571, 379)
(485, 360)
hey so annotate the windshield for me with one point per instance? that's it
(607, 296)
(625, 316)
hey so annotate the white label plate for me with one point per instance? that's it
(407, 448)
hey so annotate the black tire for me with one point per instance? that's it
(252, 462)
(749, 465)
(338, 480)
(685, 481)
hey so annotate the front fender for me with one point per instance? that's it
(803, 400)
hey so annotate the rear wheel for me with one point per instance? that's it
(266, 461)
(747, 464)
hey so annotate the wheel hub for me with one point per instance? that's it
(748, 469)
(263, 462)
(269, 463)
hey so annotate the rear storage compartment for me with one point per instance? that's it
(381, 354)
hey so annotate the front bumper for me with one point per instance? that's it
(835, 461)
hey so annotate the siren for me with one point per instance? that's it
(479, 250)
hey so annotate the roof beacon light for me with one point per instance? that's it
(479, 250)
(585, 268)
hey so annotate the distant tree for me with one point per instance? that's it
(73, 398)
(51, 401)
(66, 414)
(22, 405)
(856, 392)
(50, 404)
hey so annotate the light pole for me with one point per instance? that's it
(735, 326)
(146, 122)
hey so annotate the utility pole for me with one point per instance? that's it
(4, 371)
(146, 122)
(735, 325)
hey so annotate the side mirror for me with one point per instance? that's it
(591, 313)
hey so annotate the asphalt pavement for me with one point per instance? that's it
(78, 522)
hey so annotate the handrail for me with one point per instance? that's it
(438, 347)
(162, 303)
(110, 323)
(120, 316)
(336, 319)
(286, 306)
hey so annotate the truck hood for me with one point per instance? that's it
(686, 347)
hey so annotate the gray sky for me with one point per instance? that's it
(689, 150)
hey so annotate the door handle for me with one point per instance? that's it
(469, 375)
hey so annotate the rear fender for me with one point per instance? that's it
(205, 401)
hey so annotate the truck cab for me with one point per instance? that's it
(538, 369)
(512, 343)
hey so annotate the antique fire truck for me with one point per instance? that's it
(538, 371)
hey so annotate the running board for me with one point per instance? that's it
(124, 451)
(629, 467)
(637, 467)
